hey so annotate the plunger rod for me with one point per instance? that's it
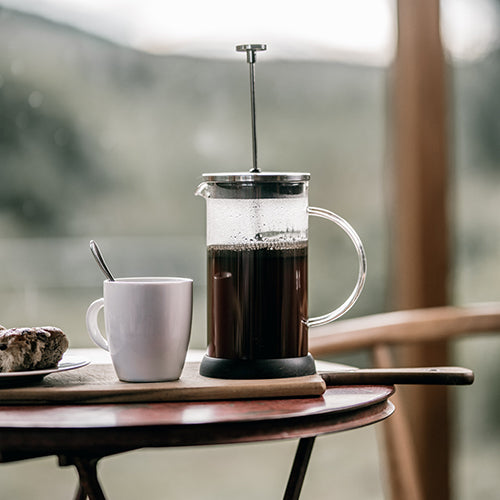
(250, 49)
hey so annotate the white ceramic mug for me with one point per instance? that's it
(148, 326)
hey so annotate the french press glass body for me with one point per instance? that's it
(257, 243)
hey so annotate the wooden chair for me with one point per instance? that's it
(380, 333)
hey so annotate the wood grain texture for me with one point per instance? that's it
(98, 383)
(405, 327)
(444, 375)
(104, 429)
(421, 231)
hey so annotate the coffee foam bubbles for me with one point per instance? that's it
(263, 222)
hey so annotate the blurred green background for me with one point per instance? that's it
(100, 140)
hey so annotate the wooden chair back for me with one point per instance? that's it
(380, 333)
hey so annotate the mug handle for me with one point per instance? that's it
(327, 318)
(92, 326)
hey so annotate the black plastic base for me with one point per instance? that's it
(258, 368)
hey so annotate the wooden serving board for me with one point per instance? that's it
(98, 383)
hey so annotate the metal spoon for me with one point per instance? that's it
(100, 260)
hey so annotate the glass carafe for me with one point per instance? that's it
(257, 243)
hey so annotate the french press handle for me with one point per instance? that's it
(342, 309)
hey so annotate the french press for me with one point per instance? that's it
(257, 245)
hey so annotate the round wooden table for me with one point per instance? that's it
(80, 435)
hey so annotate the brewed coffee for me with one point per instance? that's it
(257, 301)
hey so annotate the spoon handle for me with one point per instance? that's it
(100, 260)
(446, 375)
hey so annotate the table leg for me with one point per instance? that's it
(89, 482)
(88, 486)
(80, 493)
(299, 468)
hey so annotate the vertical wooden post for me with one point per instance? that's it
(420, 245)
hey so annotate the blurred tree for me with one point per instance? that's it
(44, 172)
(477, 107)
(487, 110)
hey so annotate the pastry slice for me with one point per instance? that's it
(36, 348)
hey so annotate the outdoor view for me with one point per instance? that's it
(105, 136)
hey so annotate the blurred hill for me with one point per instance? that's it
(92, 130)
(99, 139)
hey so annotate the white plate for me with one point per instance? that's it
(67, 363)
